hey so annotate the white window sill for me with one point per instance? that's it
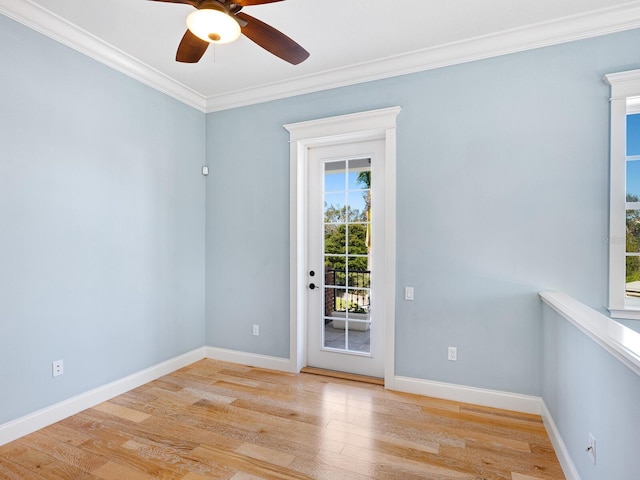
(620, 341)
(626, 313)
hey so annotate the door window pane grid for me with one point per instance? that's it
(347, 246)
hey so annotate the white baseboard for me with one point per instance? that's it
(30, 423)
(249, 359)
(568, 468)
(462, 393)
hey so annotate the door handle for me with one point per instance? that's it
(312, 286)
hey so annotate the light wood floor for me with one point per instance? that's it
(218, 420)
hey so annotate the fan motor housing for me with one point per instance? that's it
(214, 5)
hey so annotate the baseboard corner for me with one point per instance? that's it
(250, 359)
(568, 467)
(29, 423)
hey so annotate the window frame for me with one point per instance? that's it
(625, 100)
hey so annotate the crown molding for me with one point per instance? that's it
(59, 29)
(578, 27)
(592, 24)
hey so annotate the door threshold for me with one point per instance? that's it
(343, 375)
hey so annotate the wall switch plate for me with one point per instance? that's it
(591, 448)
(58, 368)
(256, 330)
(408, 293)
(205, 171)
(452, 354)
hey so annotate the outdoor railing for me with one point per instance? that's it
(346, 290)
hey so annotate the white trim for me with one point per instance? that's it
(626, 313)
(369, 125)
(462, 393)
(568, 468)
(34, 421)
(41, 20)
(577, 27)
(617, 203)
(633, 105)
(624, 87)
(623, 84)
(249, 359)
(344, 126)
(390, 255)
(620, 341)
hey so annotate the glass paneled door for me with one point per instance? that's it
(345, 332)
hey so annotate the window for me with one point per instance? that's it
(624, 227)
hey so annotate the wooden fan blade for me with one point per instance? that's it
(193, 3)
(272, 40)
(191, 48)
(248, 3)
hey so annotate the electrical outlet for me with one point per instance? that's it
(58, 368)
(591, 448)
(256, 330)
(452, 354)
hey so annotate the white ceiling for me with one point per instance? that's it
(349, 40)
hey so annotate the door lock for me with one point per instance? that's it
(312, 286)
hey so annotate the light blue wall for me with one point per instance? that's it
(588, 391)
(502, 192)
(101, 223)
(247, 231)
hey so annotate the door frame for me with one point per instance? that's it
(370, 125)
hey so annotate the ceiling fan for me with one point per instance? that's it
(221, 21)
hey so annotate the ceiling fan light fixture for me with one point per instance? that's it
(213, 26)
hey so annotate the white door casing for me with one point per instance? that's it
(371, 125)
